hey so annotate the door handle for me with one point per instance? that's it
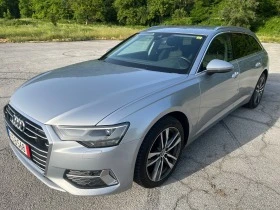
(235, 74)
(258, 65)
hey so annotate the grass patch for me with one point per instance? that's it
(24, 30)
(268, 38)
(270, 31)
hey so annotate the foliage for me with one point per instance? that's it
(88, 10)
(186, 5)
(179, 17)
(110, 14)
(53, 10)
(179, 13)
(179, 21)
(270, 31)
(277, 6)
(131, 12)
(39, 30)
(204, 10)
(240, 12)
(7, 15)
(268, 8)
(9, 9)
(200, 11)
(160, 9)
(25, 7)
(255, 14)
(271, 26)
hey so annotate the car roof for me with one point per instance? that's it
(198, 30)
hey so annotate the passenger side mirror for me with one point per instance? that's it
(218, 66)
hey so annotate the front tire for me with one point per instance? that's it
(159, 153)
(258, 92)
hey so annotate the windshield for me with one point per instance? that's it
(164, 52)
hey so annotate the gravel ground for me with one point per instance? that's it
(235, 165)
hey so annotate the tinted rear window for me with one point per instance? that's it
(254, 46)
(244, 45)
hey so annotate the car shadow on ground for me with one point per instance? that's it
(241, 127)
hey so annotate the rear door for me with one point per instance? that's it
(247, 51)
(219, 91)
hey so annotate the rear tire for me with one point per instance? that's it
(258, 92)
(159, 153)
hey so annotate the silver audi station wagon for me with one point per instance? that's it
(94, 127)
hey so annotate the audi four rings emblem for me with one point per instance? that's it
(18, 123)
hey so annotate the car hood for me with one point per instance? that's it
(85, 93)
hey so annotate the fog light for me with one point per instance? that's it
(91, 179)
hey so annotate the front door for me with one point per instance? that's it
(219, 91)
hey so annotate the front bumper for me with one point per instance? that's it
(70, 155)
(33, 169)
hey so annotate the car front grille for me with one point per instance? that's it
(33, 135)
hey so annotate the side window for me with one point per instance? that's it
(244, 45)
(239, 45)
(220, 48)
(253, 45)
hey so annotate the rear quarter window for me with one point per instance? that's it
(244, 45)
(254, 46)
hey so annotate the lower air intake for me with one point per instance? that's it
(91, 179)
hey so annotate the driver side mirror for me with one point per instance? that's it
(218, 66)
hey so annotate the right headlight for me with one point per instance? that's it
(93, 136)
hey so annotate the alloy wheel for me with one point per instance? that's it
(164, 154)
(259, 90)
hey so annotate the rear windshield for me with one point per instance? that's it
(164, 52)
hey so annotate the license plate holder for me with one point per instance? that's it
(24, 148)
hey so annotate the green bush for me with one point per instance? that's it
(7, 15)
(271, 26)
(179, 21)
(239, 12)
(213, 22)
(17, 22)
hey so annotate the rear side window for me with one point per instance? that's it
(254, 46)
(244, 45)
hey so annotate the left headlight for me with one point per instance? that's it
(97, 136)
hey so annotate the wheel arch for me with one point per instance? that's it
(180, 116)
(138, 175)
(183, 119)
(265, 71)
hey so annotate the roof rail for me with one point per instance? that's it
(231, 27)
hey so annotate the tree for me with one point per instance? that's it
(9, 8)
(179, 13)
(109, 12)
(185, 5)
(204, 10)
(160, 9)
(266, 8)
(25, 7)
(200, 11)
(276, 4)
(51, 9)
(88, 10)
(239, 12)
(131, 12)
